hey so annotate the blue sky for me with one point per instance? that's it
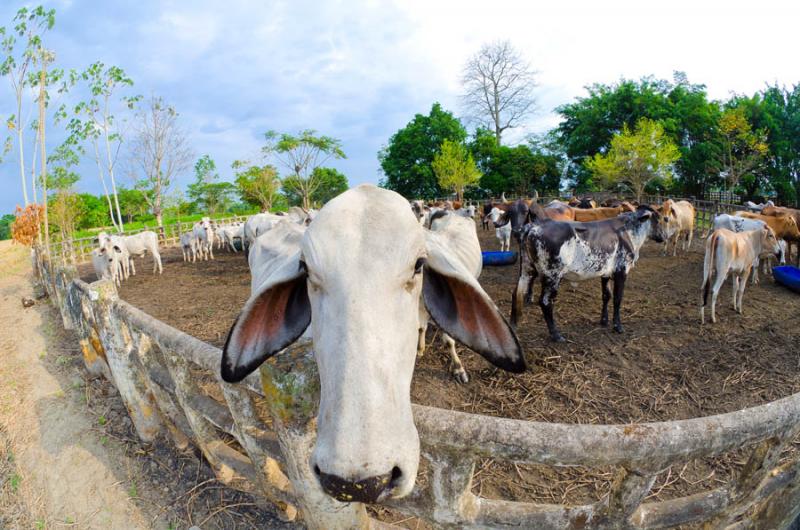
(360, 70)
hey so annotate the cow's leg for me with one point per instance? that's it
(423, 328)
(606, 288)
(524, 282)
(735, 288)
(619, 289)
(157, 262)
(211, 251)
(675, 243)
(547, 302)
(758, 263)
(689, 239)
(529, 291)
(742, 285)
(456, 368)
(132, 267)
(722, 273)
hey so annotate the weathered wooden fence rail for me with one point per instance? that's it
(257, 436)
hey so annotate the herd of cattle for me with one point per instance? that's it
(362, 277)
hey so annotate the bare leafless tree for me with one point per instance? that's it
(498, 87)
(159, 152)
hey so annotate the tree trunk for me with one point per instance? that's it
(42, 81)
(111, 164)
(20, 141)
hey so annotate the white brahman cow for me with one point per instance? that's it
(502, 231)
(140, 244)
(358, 285)
(204, 234)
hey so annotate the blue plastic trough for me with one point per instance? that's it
(786, 275)
(494, 259)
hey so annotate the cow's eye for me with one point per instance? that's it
(418, 265)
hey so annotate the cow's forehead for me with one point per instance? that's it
(364, 224)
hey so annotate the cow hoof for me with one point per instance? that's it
(557, 337)
(618, 328)
(604, 322)
(461, 376)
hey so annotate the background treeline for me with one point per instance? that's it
(746, 145)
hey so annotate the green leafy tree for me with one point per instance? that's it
(519, 170)
(636, 158)
(455, 168)
(94, 212)
(211, 195)
(5, 226)
(687, 116)
(133, 203)
(744, 150)
(95, 122)
(258, 185)
(301, 155)
(407, 160)
(331, 184)
(20, 45)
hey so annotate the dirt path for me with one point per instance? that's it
(57, 471)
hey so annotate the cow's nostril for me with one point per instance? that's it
(396, 474)
(316, 470)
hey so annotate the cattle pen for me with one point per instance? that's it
(257, 436)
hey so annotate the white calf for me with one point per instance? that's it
(728, 251)
(189, 246)
(140, 244)
(107, 266)
(115, 246)
(204, 234)
(503, 232)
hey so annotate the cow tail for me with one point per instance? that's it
(708, 265)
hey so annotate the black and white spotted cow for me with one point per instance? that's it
(572, 251)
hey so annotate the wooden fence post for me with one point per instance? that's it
(118, 344)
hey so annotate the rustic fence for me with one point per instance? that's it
(257, 435)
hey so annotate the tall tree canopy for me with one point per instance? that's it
(406, 160)
(302, 155)
(636, 158)
(683, 109)
(498, 87)
(455, 168)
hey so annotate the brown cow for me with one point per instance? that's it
(794, 213)
(597, 214)
(678, 219)
(736, 253)
(785, 228)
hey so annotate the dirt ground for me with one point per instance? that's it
(69, 457)
(664, 367)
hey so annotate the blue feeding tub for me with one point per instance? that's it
(497, 259)
(786, 275)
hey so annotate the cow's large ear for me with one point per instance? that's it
(271, 320)
(462, 309)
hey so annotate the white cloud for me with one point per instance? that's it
(359, 70)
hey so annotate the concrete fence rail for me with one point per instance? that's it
(257, 435)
